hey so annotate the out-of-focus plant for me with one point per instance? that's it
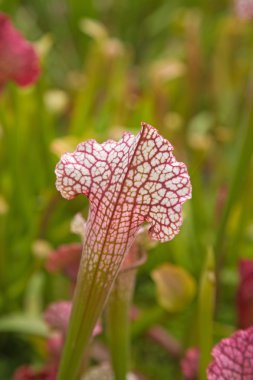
(29, 373)
(56, 317)
(207, 296)
(66, 259)
(244, 9)
(104, 372)
(175, 287)
(18, 59)
(190, 363)
(245, 294)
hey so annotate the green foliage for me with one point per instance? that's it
(183, 66)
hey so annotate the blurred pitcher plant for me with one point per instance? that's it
(128, 183)
(18, 59)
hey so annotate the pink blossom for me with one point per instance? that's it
(18, 59)
(244, 298)
(55, 343)
(233, 357)
(30, 373)
(66, 258)
(190, 363)
(244, 9)
(57, 317)
(135, 257)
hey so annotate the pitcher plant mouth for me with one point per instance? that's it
(129, 182)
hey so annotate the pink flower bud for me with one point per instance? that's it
(244, 9)
(190, 363)
(66, 258)
(244, 299)
(30, 373)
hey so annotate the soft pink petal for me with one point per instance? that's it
(30, 373)
(57, 315)
(189, 364)
(244, 9)
(18, 59)
(233, 357)
(244, 300)
(55, 344)
(66, 258)
(97, 329)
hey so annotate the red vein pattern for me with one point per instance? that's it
(128, 182)
(233, 357)
(18, 59)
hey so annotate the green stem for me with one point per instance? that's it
(118, 329)
(89, 299)
(205, 314)
(239, 175)
(148, 319)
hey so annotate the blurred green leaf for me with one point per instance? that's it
(175, 287)
(23, 324)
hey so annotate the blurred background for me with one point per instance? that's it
(186, 68)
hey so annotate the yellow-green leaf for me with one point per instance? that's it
(175, 287)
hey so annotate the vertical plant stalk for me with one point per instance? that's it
(128, 182)
(90, 295)
(206, 313)
(244, 154)
(117, 323)
(118, 311)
